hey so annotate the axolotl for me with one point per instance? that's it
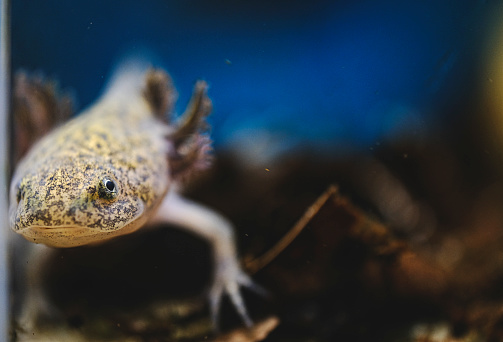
(117, 168)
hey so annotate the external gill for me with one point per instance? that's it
(193, 119)
(160, 93)
(38, 107)
(191, 144)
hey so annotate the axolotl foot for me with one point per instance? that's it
(229, 278)
(228, 275)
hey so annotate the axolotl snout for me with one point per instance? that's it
(115, 169)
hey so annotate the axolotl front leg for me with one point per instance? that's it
(204, 222)
(188, 153)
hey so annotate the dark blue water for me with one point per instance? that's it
(336, 74)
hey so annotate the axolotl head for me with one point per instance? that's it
(105, 172)
(77, 203)
(100, 174)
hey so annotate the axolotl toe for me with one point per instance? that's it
(115, 169)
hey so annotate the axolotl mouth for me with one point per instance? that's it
(59, 236)
(81, 227)
(73, 236)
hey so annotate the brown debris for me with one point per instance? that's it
(256, 333)
(254, 265)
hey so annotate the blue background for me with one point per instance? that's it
(334, 75)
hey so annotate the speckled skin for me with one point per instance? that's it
(114, 169)
(55, 193)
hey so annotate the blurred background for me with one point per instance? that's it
(398, 103)
(336, 75)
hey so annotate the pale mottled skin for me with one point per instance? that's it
(114, 169)
(60, 177)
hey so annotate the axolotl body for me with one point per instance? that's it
(117, 168)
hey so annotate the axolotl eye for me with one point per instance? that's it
(108, 188)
